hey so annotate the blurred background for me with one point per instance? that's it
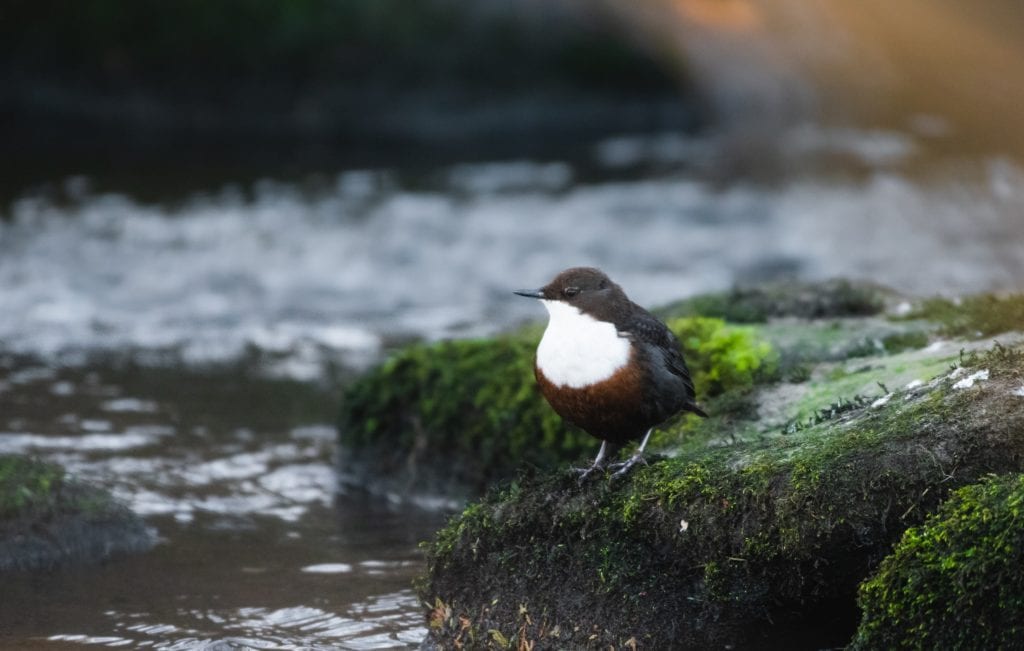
(213, 213)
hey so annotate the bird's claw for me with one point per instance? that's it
(621, 468)
(586, 472)
(625, 466)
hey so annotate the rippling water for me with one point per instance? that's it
(236, 477)
(186, 353)
(312, 273)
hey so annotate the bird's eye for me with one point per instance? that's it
(571, 291)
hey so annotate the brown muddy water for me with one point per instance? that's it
(235, 476)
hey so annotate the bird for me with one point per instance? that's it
(607, 365)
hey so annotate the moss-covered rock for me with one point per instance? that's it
(757, 304)
(957, 581)
(452, 417)
(833, 429)
(973, 316)
(761, 541)
(758, 530)
(413, 419)
(49, 519)
(723, 358)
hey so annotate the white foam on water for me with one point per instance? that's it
(302, 483)
(312, 279)
(129, 405)
(109, 641)
(95, 425)
(319, 433)
(62, 388)
(16, 442)
(328, 568)
(385, 621)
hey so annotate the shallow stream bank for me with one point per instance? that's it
(842, 416)
(48, 519)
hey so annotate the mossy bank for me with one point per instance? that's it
(842, 415)
(448, 419)
(956, 581)
(453, 417)
(752, 544)
(48, 519)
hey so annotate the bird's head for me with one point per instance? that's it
(586, 288)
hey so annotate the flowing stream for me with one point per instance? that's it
(188, 353)
(187, 348)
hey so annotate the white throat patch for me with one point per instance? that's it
(578, 350)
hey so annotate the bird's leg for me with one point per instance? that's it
(638, 457)
(597, 465)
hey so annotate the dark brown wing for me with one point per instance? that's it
(664, 354)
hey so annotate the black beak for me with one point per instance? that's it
(530, 293)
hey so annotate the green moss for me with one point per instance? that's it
(830, 299)
(740, 545)
(901, 341)
(472, 408)
(726, 363)
(830, 412)
(722, 357)
(974, 316)
(874, 377)
(733, 306)
(809, 342)
(33, 491)
(999, 360)
(956, 581)
(28, 487)
(49, 519)
(892, 343)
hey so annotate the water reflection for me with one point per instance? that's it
(389, 621)
(255, 549)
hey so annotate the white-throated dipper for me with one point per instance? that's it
(607, 365)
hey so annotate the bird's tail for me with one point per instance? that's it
(692, 407)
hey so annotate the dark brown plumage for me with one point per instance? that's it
(618, 371)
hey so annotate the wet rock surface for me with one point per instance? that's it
(955, 581)
(756, 543)
(49, 519)
(763, 521)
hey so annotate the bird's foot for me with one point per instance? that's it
(622, 468)
(586, 472)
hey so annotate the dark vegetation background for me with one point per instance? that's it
(112, 76)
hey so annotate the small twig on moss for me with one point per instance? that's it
(833, 411)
